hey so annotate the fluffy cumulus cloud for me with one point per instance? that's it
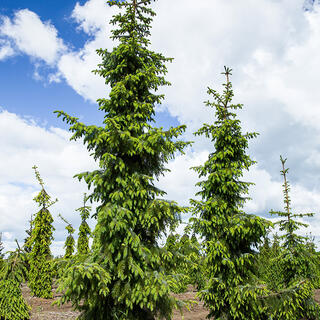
(275, 75)
(58, 160)
(5, 50)
(21, 31)
(76, 66)
(205, 37)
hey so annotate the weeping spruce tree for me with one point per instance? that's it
(124, 276)
(229, 234)
(84, 229)
(40, 273)
(13, 306)
(70, 242)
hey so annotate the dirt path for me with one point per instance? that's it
(43, 310)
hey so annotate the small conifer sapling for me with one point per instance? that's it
(70, 242)
(84, 229)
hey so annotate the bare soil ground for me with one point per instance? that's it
(42, 309)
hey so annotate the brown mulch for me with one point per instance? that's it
(42, 309)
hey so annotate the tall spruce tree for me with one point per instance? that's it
(229, 234)
(124, 277)
(40, 259)
(84, 229)
(69, 243)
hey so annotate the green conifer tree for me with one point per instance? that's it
(84, 229)
(70, 242)
(40, 275)
(29, 232)
(1, 248)
(229, 234)
(12, 303)
(124, 278)
(296, 263)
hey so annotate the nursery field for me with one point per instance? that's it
(253, 272)
(42, 309)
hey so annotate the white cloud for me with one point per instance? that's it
(275, 75)
(180, 182)
(93, 16)
(32, 36)
(76, 67)
(204, 38)
(266, 194)
(58, 160)
(5, 50)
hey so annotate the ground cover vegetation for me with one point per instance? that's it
(229, 256)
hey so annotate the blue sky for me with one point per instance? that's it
(37, 97)
(47, 52)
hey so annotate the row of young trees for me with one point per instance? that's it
(127, 275)
(34, 262)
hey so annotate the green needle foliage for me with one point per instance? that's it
(14, 272)
(1, 248)
(1, 253)
(29, 232)
(124, 277)
(40, 275)
(12, 304)
(84, 229)
(296, 263)
(70, 242)
(289, 225)
(15, 266)
(229, 233)
(185, 262)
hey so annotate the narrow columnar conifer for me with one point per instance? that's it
(70, 242)
(186, 262)
(1, 247)
(296, 264)
(84, 229)
(229, 234)
(289, 225)
(27, 248)
(40, 259)
(124, 277)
